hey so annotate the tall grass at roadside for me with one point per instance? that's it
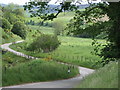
(106, 77)
(36, 71)
(9, 59)
(19, 70)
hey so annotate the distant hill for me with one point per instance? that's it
(2, 4)
(51, 7)
(82, 6)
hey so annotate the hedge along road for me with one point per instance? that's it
(66, 83)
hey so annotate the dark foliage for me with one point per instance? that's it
(19, 29)
(5, 23)
(45, 43)
(91, 17)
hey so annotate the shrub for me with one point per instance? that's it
(5, 23)
(45, 43)
(19, 28)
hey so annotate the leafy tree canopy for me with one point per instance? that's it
(90, 21)
(13, 12)
(5, 23)
(19, 29)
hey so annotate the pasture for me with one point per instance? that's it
(73, 50)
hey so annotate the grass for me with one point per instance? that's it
(44, 30)
(72, 50)
(11, 59)
(28, 71)
(62, 15)
(106, 77)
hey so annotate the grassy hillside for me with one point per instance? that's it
(37, 29)
(63, 17)
(106, 77)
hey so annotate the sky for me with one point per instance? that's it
(22, 2)
(19, 2)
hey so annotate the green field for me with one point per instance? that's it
(62, 16)
(72, 50)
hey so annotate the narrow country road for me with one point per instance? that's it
(67, 83)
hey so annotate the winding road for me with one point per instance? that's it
(66, 83)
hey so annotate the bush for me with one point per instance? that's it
(19, 28)
(5, 23)
(44, 43)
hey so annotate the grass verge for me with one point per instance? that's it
(28, 71)
(106, 77)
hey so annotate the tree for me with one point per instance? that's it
(43, 10)
(5, 23)
(19, 12)
(112, 50)
(8, 8)
(10, 17)
(19, 29)
(1, 12)
(90, 17)
(13, 12)
(93, 14)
